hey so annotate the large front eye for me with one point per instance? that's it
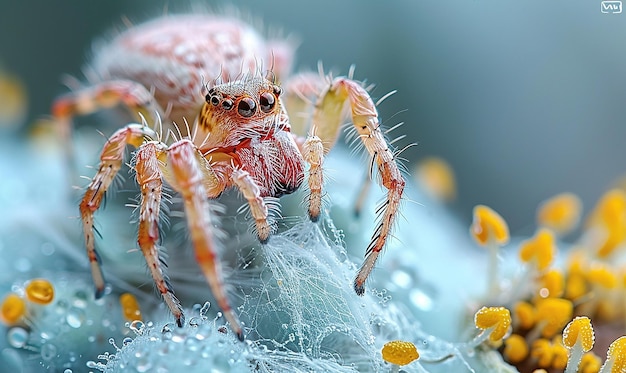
(266, 102)
(246, 107)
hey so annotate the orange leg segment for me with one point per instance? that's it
(187, 179)
(149, 178)
(111, 160)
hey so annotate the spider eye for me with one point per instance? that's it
(215, 100)
(227, 104)
(246, 107)
(266, 102)
(277, 90)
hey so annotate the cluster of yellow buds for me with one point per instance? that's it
(552, 307)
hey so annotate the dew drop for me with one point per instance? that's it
(205, 309)
(47, 249)
(421, 300)
(137, 327)
(75, 317)
(94, 365)
(80, 299)
(17, 337)
(178, 336)
(67, 371)
(143, 365)
(48, 351)
(126, 341)
(61, 306)
(402, 279)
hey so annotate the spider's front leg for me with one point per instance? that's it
(327, 117)
(189, 173)
(111, 160)
(150, 179)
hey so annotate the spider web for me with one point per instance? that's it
(304, 304)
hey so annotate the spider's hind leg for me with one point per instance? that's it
(103, 95)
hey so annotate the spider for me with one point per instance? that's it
(241, 136)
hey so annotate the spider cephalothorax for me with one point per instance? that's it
(241, 137)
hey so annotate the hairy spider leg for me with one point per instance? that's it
(103, 95)
(185, 174)
(328, 116)
(313, 153)
(111, 160)
(150, 180)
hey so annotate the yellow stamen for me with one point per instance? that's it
(610, 214)
(616, 356)
(542, 351)
(603, 276)
(552, 284)
(579, 330)
(578, 338)
(437, 177)
(515, 349)
(498, 319)
(13, 308)
(130, 307)
(590, 363)
(540, 249)
(39, 291)
(488, 227)
(560, 357)
(524, 314)
(560, 213)
(553, 314)
(399, 352)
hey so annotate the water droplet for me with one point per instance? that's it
(137, 327)
(402, 279)
(75, 317)
(178, 336)
(205, 309)
(48, 351)
(143, 365)
(17, 337)
(192, 344)
(80, 299)
(112, 343)
(94, 365)
(421, 300)
(61, 306)
(47, 249)
(127, 341)
(67, 371)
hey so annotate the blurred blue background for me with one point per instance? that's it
(524, 99)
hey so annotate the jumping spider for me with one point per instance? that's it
(242, 136)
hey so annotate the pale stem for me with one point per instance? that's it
(492, 276)
(575, 355)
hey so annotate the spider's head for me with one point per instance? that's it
(249, 104)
